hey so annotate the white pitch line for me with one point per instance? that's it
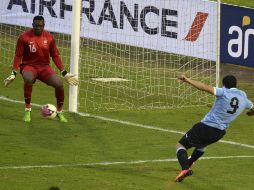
(156, 128)
(117, 163)
(133, 124)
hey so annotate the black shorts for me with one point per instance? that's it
(201, 135)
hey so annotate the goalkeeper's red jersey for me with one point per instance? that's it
(36, 50)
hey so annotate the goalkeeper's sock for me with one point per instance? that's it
(59, 93)
(28, 88)
(182, 158)
(61, 117)
(27, 116)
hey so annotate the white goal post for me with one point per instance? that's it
(75, 51)
(127, 54)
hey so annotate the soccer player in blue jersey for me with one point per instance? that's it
(229, 104)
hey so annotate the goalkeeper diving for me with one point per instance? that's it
(32, 57)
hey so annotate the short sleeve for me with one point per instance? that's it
(218, 91)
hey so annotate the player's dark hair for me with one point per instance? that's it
(38, 17)
(54, 188)
(229, 81)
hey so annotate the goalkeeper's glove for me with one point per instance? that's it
(10, 78)
(70, 78)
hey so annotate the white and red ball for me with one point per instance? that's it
(48, 111)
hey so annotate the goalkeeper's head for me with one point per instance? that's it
(38, 25)
(229, 81)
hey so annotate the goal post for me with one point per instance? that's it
(127, 54)
(75, 52)
(218, 43)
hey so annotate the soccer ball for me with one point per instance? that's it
(48, 111)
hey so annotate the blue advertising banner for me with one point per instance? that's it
(237, 35)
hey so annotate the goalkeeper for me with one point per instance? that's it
(229, 104)
(32, 56)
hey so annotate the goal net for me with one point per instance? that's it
(131, 52)
(136, 50)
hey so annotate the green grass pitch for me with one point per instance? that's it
(123, 150)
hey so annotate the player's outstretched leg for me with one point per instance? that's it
(61, 117)
(27, 116)
(183, 174)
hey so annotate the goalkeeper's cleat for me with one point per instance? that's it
(27, 116)
(183, 174)
(61, 117)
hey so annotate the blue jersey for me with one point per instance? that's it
(228, 105)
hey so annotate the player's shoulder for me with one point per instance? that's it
(224, 91)
(242, 92)
(237, 91)
(26, 33)
(48, 34)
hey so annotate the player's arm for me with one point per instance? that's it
(197, 84)
(250, 112)
(16, 62)
(54, 53)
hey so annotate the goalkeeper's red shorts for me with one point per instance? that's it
(42, 73)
